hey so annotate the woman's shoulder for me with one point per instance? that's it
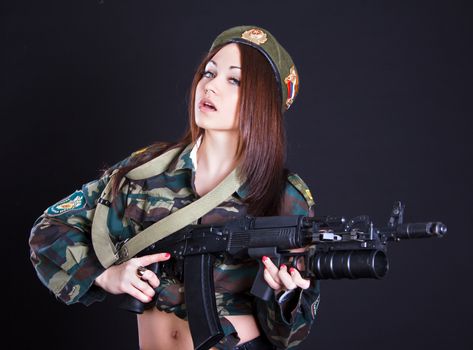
(298, 199)
(154, 147)
(151, 150)
(140, 155)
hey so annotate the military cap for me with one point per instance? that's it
(283, 67)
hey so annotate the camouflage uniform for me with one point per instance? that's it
(62, 254)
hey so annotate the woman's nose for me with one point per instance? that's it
(209, 90)
(211, 86)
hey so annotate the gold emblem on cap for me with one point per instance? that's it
(292, 84)
(255, 35)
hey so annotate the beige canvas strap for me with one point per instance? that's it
(105, 249)
(155, 166)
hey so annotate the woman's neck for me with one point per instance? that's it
(216, 155)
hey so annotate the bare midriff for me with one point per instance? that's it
(158, 330)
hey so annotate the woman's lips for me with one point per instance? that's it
(206, 105)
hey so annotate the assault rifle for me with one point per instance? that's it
(335, 248)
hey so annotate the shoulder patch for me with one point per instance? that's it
(156, 147)
(134, 154)
(301, 186)
(73, 202)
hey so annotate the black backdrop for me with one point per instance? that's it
(383, 114)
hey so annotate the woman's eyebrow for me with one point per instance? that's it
(231, 67)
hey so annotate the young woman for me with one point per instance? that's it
(238, 96)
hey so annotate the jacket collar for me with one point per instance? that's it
(186, 161)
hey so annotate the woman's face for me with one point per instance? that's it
(217, 93)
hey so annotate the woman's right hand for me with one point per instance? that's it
(123, 278)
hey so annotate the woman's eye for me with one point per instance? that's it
(208, 74)
(235, 81)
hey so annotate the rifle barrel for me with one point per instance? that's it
(418, 230)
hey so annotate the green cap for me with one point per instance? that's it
(283, 67)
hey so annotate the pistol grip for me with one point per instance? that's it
(132, 304)
(260, 288)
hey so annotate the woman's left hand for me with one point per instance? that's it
(282, 278)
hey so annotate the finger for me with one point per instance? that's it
(298, 280)
(270, 280)
(153, 258)
(297, 250)
(143, 287)
(272, 269)
(150, 277)
(137, 293)
(286, 278)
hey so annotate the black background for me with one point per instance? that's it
(384, 114)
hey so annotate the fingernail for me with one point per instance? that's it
(282, 266)
(167, 255)
(264, 258)
(292, 270)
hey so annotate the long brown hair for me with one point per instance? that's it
(261, 144)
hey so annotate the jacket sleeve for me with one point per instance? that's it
(287, 319)
(61, 247)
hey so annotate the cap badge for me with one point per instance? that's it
(292, 84)
(255, 35)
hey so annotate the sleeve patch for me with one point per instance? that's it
(314, 307)
(73, 202)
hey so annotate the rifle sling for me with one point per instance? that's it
(106, 251)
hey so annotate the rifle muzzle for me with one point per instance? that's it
(420, 230)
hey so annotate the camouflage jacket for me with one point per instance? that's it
(62, 254)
